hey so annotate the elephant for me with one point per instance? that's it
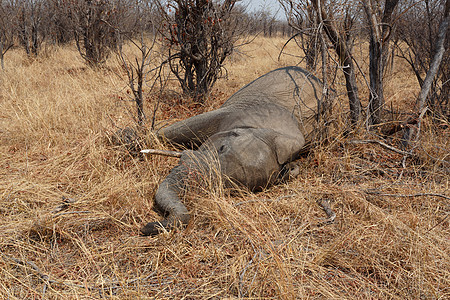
(250, 140)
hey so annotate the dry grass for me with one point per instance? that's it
(55, 116)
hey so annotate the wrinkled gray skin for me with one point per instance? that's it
(250, 139)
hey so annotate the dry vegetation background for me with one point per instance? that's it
(72, 204)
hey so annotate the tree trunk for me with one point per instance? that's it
(1, 55)
(437, 58)
(345, 60)
(376, 100)
(139, 99)
(379, 38)
(311, 49)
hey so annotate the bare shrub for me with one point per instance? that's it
(7, 28)
(141, 66)
(416, 44)
(59, 30)
(199, 36)
(95, 25)
(304, 20)
(335, 22)
(379, 20)
(32, 18)
(263, 22)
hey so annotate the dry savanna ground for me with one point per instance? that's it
(71, 203)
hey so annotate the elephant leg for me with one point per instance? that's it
(192, 132)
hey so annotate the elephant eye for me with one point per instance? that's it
(221, 149)
(233, 133)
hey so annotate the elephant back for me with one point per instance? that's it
(291, 87)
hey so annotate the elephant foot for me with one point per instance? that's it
(289, 171)
(155, 228)
(293, 169)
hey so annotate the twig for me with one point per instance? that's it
(162, 152)
(29, 263)
(72, 212)
(415, 195)
(287, 42)
(443, 161)
(408, 195)
(32, 265)
(443, 220)
(66, 203)
(242, 274)
(325, 204)
(381, 144)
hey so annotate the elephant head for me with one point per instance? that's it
(246, 142)
(247, 157)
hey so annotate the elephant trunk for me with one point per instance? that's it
(168, 200)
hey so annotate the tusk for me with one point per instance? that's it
(162, 152)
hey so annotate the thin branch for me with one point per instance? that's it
(287, 42)
(31, 264)
(44, 277)
(441, 222)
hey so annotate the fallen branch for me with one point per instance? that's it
(408, 195)
(162, 152)
(415, 195)
(389, 147)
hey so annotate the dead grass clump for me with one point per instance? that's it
(72, 204)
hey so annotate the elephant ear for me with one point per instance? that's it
(287, 147)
